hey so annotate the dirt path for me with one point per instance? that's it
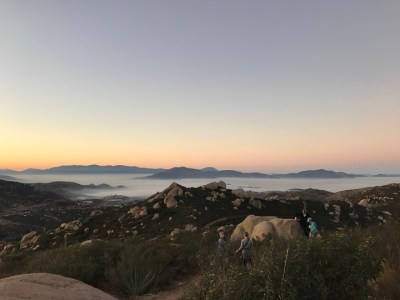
(175, 292)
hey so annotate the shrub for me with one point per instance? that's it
(127, 267)
(336, 267)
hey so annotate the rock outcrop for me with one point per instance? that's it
(240, 193)
(29, 241)
(264, 227)
(215, 185)
(46, 286)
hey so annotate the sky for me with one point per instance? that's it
(267, 86)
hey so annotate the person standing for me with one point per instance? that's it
(221, 241)
(303, 219)
(246, 245)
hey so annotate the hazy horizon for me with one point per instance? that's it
(135, 186)
(267, 86)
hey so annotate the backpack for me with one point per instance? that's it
(313, 227)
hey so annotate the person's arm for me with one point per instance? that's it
(241, 246)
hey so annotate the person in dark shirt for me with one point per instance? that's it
(303, 219)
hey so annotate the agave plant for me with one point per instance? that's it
(137, 282)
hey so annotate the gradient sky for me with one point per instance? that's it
(266, 86)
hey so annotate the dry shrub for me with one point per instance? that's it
(386, 287)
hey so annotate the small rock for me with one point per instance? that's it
(156, 206)
(155, 217)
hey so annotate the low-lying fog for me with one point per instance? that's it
(137, 187)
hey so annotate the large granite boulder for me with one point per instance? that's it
(44, 286)
(263, 227)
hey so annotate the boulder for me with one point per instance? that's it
(143, 211)
(87, 243)
(364, 202)
(156, 197)
(46, 286)
(255, 203)
(95, 213)
(237, 202)
(190, 227)
(138, 212)
(8, 247)
(211, 186)
(221, 184)
(240, 193)
(176, 191)
(175, 233)
(170, 201)
(263, 227)
(29, 240)
(122, 218)
(71, 226)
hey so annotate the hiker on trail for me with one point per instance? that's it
(246, 246)
(302, 218)
(221, 241)
(313, 228)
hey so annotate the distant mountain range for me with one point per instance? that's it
(91, 169)
(183, 172)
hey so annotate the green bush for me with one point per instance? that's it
(128, 267)
(336, 267)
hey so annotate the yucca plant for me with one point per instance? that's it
(136, 282)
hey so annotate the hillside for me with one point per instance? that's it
(25, 207)
(71, 189)
(182, 208)
(179, 208)
(169, 229)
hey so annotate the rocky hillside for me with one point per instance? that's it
(24, 207)
(71, 189)
(383, 198)
(178, 208)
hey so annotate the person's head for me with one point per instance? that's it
(221, 234)
(246, 235)
(304, 211)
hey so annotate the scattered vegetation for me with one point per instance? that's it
(124, 268)
(364, 264)
(336, 267)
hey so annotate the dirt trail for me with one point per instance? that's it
(176, 291)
